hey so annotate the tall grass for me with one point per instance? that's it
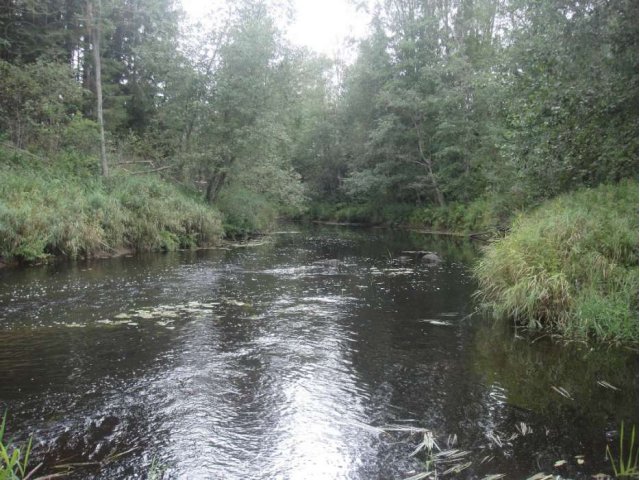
(47, 210)
(246, 212)
(571, 265)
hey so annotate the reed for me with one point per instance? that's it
(626, 465)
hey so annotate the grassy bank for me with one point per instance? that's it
(481, 215)
(569, 266)
(62, 208)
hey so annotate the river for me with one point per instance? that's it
(316, 354)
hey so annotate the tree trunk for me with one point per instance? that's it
(428, 164)
(95, 38)
(214, 186)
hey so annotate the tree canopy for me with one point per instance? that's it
(447, 100)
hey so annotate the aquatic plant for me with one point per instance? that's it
(438, 461)
(626, 465)
(156, 470)
(14, 461)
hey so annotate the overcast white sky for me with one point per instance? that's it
(321, 25)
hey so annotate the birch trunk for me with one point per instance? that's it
(95, 39)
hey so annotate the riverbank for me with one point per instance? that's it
(569, 266)
(65, 210)
(477, 217)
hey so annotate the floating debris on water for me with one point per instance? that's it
(235, 303)
(162, 315)
(440, 323)
(605, 384)
(249, 244)
(495, 439)
(394, 272)
(541, 476)
(113, 322)
(523, 429)
(562, 391)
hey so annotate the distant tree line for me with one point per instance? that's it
(447, 100)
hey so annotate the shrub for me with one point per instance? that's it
(245, 212)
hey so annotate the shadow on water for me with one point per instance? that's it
(287, 359)
(578, 394)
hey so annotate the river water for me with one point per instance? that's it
(319, 354)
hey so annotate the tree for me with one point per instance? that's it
(94, 22)
(573, 115)
(425, 79)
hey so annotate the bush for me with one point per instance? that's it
(245, 212)
(570, 266)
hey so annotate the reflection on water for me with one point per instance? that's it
(282, 360)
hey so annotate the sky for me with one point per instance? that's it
(321, 25)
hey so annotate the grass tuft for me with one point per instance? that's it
(13, 461)
(627, 463)
(570, 266)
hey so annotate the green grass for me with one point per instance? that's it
(14, 461)
(569, 266)
(481, 215)
(626, 465)
(56, 209)
(246, 213)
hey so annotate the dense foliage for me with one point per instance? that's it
(446, 102)
(453, 101)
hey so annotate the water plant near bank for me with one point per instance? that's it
(482, 214)
(14, 461)
(626, 465)
(569, 266)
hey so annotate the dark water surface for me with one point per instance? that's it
(271, 362)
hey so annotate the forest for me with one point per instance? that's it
(288, 325)
(122, 128)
